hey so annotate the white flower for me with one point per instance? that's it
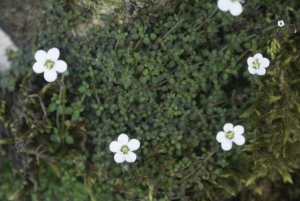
(49, 64)
(233, 6)
(280, 23)
(123, 149)
(231, 134)
(258, 64)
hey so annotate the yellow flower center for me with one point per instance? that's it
(49, 64)
(125, 149)
(256, 64)
(229, 135)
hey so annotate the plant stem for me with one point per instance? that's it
(207, 20)
(159, 5)
(200, 165)
(180, 21)
(97, 97)
(116, 46)
(62, 98)
(81, 101)
(172, 28)
(64, 109)
(255, 45)
(137, 44)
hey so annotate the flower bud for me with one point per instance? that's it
(130, 9)
(241, 22)
(258, 29)
(292, 28)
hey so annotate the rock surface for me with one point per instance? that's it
(18, 18)
(17, 22)
(5, 43)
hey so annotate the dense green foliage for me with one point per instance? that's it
(170, 75)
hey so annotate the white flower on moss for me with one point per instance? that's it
(123, 149)
(233, 6)
(280, 23)
(49, 64)
(257, 64)
(229, 135)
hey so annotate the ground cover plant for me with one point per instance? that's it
(158, 100)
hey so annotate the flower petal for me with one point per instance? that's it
(236, 8)
(60, 66)
(115, 146)
(261, 71)
(123, 139)
(221, 136)
(264, 62)
(224, 5)
(239, 140)
(53, 54)
(133, 144)
(238, 130)
(250, 61)
(251, 70)
(38, 67)
(280, 23)
(130, 157)
(258, 56)
(40, 55)
(226, 145)
(119, 157)
(50, 75)
(228, 127)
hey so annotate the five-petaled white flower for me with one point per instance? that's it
(258, 64)
(123, 149)
(233, 6)
(280, 23)
(49, 64)
(229, 135)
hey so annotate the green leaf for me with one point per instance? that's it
(66, 73)
(247, 113)
(284, 172)
(172, 81)
(98, 113)
(200, 186)
(130, 60)
(150, 67)
(272, 99)
(153, 36)
(52, 107)
(143, 80)
(229, 188)
(151, 190)
(81, 89)
(140, 68)
(60, 109)
(69, 140)
(126, 82)
(88, 93)
(146, 40)
(250, 180)
(145, 71)
(69, 110)
(135, 36)
(75, 116)
(77, 12)
(137, 56)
